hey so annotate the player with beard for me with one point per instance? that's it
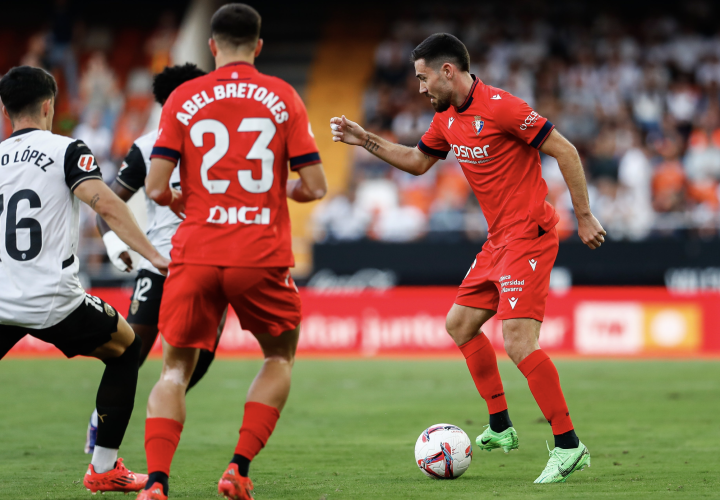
(496, 137)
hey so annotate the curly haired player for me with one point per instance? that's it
(162, 224)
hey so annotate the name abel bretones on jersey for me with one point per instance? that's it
(234, 91)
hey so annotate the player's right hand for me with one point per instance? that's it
(177, 204)
(117, 252)
(349, 132)
(125, 258)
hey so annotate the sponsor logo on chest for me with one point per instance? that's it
(464, 153)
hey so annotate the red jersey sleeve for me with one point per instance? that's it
(433, 143)
(301, 147)
(514, 116)
(169, 142)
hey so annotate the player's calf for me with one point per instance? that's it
(266, 398)
(115, 401)
(166, 415)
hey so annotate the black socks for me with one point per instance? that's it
(158, 477)
(116, 396)
(500, 421)
(242, 463)
(567, 440)
(201, 368)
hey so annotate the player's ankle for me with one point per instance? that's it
(500, 421)
(243, 464)
(158, 478)
(567, 440)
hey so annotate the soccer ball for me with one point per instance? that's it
(443, 451)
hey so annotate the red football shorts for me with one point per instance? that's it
(265, 300)
(513, 280)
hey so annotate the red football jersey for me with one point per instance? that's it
(496, 136)
(234, 131)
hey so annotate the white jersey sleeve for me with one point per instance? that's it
(39, 226)
(161, 221)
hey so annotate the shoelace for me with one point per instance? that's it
(554, 460)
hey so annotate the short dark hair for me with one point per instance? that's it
(236, 24)
(24, 88)
(171, 78)
(442, 48)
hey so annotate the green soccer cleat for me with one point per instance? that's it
(489, 439)
(563, 462)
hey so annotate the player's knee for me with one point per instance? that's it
(286, 358)
(457, 328)
(128, 353)
(512, 334)
(519, 338)
(178, 375)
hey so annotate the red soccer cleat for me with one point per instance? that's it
(233, 486)
(118, 479)
(154, 493)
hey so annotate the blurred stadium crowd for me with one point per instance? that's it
(105, 99)
(638, 99)
(638, 96)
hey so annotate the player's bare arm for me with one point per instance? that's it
(410, 160)
(311, 186)
(124, 194)
(157, 187)
(589, 229)
(118, 216)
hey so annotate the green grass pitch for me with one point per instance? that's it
(350, 427)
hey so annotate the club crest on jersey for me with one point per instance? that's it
(87, 163)
(478, 124)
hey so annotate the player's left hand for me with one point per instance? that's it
(177, 204)
(590, 231)
(161, 264)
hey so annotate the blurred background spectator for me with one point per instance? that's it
(104, 73)
(636, 89)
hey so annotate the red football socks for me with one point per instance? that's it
(162, 436)
(544, 382)
(258, 424)
(482, 363)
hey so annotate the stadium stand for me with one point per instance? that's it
(638, 96)
(104, 69)
(637, 93)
